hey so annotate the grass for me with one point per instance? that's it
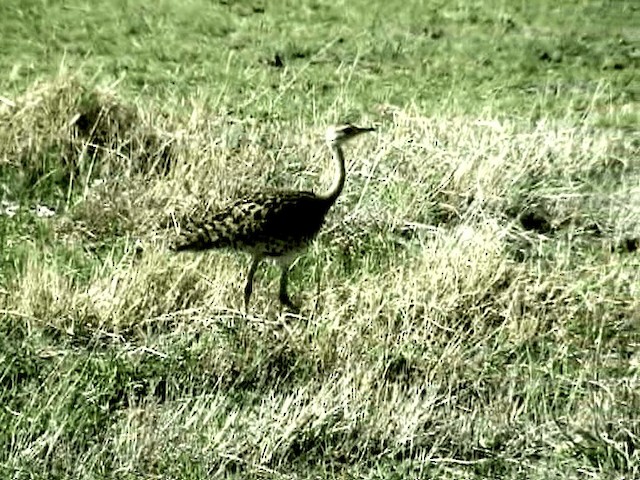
(470, 310)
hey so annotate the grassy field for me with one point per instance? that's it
(470, 310)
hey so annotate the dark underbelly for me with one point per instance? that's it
(278, 247)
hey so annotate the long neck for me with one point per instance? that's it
(333, 192)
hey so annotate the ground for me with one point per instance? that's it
(470, 310)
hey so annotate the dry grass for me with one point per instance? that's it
(471, 308)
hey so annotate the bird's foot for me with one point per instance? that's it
(286, 301)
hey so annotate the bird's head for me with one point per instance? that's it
(339, 134)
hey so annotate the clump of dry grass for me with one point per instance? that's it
(80, 129)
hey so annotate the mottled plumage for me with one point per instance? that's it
(276, 224)
(268, 223)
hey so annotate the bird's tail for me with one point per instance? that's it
(200, 236)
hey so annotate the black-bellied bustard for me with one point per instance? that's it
(276, 224)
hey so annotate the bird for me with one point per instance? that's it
(277, 224)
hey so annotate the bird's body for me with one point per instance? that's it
(271, 224)
(275, 224)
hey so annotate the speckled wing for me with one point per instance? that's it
(270, 224)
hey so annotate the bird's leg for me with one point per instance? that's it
(284, 296)
(248, 288)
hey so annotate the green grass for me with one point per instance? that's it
(471, 309)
